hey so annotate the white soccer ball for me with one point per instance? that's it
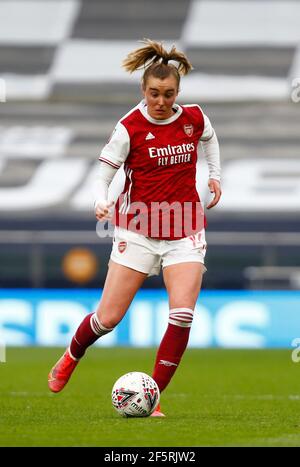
(135, 394)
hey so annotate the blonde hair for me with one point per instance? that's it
(154, 58)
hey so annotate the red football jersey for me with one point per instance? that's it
(159, 198)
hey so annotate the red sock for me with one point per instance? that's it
(172, 346)
(87, 333)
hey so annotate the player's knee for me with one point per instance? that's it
(110, 321)
(182, 317)
(183, 299)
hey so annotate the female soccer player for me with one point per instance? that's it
(159, 221)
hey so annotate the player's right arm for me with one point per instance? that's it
(111, 158)
(102, 205)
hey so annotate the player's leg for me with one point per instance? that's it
(183, 283)
(120, 287)
(183, 267)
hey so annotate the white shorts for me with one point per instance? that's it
(148, 255)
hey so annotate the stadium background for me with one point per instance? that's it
(62, 91)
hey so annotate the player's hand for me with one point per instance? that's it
(214, 187)
(104, 210)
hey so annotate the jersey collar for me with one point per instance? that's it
(143, 109)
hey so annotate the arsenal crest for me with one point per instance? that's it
(122, 246)
(188, 129)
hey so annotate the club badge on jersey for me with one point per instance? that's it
(189, 130)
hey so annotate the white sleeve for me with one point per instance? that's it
(115, 152)
(105, 174)
(211, 150)
(208, 129)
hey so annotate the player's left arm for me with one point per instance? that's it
(211, 150)
(215, 187)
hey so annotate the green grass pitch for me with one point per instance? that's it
(217, 398)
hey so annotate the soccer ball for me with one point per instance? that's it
(135, 394)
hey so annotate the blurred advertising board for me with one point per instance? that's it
(232, 319)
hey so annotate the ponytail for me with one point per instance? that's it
(154, 59)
